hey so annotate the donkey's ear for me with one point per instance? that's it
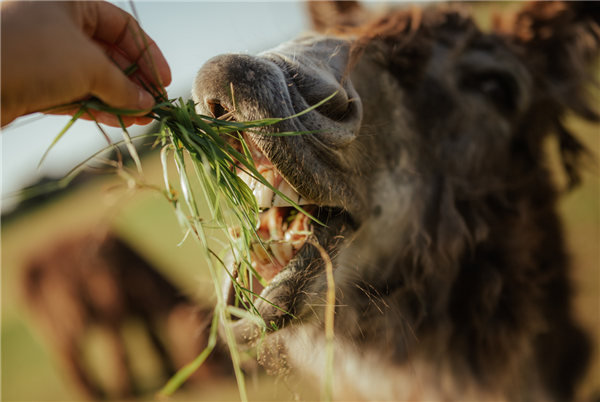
(335, 15)
(559, 40)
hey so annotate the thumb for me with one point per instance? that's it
(115, 89)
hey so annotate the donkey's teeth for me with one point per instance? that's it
(295, 240)
(289, 192)
(282, 252)
(305, 201)
(249, 180)
(260, 253)
(274, 224)
(266, 197)
(282, 237)
(267, 270)
(278, 253)
(288, 251)
(263, 194)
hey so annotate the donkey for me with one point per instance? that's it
(99, 281)
(429, 170)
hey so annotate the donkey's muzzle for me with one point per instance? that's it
(282, 83)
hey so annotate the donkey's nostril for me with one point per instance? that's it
(216, 109)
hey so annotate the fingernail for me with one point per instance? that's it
(145, 100)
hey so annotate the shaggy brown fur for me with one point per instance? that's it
(500, 243)
(503, 251)
(93, 282)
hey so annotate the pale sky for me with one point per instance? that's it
(188, 33)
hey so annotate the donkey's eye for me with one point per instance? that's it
(498, 88)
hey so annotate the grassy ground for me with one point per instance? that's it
(146, 221)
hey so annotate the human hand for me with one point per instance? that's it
(55, 53)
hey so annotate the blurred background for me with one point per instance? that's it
(188, 33)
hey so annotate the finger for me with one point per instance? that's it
(142, 121)
(64, 111)
(102, 117)
(117, 27)
(112, 120)
(124, 62)
(109, 119)
(108, 83)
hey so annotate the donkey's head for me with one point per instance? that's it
(434, 126)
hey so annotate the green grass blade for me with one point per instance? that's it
(62, 132)
(130, 146)
(186, 371)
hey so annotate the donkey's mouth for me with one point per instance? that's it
(282, 229)
(288, 256)
(285, 236)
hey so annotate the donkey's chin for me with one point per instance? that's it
(294, 250)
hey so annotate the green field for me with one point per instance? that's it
(147, 222)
